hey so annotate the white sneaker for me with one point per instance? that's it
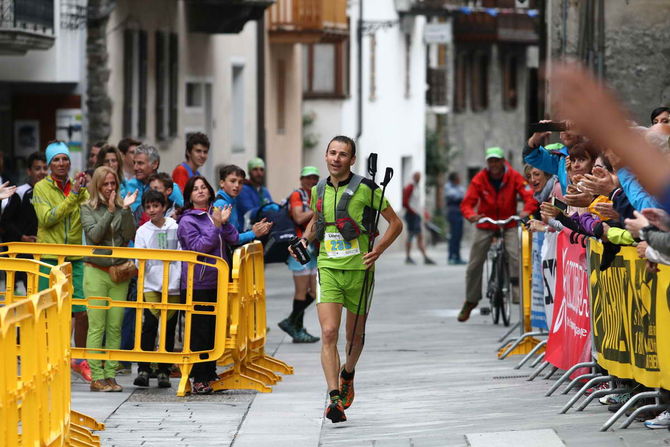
(660, 421)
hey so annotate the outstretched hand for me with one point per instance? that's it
(6, 191)
(129, 199)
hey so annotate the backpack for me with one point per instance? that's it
(275, 243)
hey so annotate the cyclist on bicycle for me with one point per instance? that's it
(493, 193)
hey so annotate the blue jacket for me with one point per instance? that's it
(223, 199)
(541, 158)
(250, 200)
(637, 195)
(134, 184)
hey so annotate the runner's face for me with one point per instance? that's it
(339, 158)
(37, 171)
(60, 166)
(108, 186)
(200, 195)
(308, 182)
(198, 154)
(232, 185)
(154, 210)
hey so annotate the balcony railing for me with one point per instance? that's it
(26, 25)
(483, 27)
(308, 20)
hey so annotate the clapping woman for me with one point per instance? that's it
(205, 229)
(107, 221)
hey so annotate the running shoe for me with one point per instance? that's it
(302, 336)
(81, 368)
(428, 261)
(464, 315)
(614, 399)
(660, 421)
(288, 326)
(347, 390)
(409, 261)
(335, 411)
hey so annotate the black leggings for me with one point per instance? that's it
(203, 328)
(149, 332)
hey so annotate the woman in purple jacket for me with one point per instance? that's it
(204, 229)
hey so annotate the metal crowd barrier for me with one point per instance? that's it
(35, 370)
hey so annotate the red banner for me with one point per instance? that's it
(570, 335)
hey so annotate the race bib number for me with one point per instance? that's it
(337, 247)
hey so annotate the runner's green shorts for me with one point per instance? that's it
(343, 287)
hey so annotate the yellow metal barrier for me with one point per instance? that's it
(251, 367)
(185, 358)
(35, 370)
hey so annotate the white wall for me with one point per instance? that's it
(393, 124)
(64, 62)
(202, 57)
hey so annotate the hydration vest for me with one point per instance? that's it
(346, 225)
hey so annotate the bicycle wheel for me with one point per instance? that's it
(505, 291)
(494, 291)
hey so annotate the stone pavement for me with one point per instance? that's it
(423, 380)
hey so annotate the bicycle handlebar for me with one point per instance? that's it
(498, 222)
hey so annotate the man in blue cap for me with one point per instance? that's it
(57, 200)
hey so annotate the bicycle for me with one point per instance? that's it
(499, 287)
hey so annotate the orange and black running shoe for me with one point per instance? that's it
(347, 388)
(335, 411)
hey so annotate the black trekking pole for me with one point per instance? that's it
(368, 283)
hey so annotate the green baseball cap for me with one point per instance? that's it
(309, 170)
(495, 152)
(255, 163)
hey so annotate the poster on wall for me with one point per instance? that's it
(69, 129)
(26, 137)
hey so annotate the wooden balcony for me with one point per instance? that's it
(222, 16)
(308, 21)
(504, 28)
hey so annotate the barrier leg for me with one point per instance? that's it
(528, 337)
(538, 371)
(600, 393)
(578, 379)
(581, 392)
(606, 426)
(508, 333)
(260, 373)
(184, 384)
(532, 352)
(273, 364)
(235, 379)
(566, 376)
(506, 343)
(537, 360)
(551, 372)
(634, 414)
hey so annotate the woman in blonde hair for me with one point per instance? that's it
(107, 221)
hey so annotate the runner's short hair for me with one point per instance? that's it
(346, 140)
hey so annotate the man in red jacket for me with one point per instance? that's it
(493, 193)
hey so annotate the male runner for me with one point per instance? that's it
(342, 262)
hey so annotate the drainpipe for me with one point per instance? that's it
(359, 87)
(260, 87)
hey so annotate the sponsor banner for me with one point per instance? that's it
(570, 334)
(538, 315)
(548, 254)
(631, 318)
